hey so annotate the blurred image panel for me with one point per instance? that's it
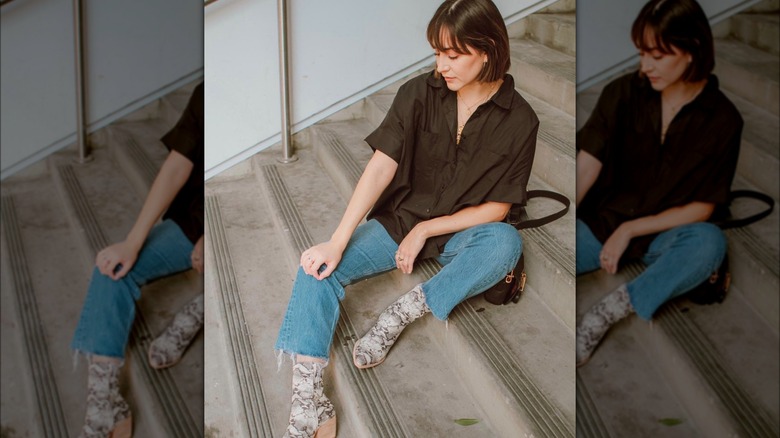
(490, 370)
(102, 218)
(677, 141)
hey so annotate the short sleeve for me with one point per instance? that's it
(186, 137)
(597, 133)
(511, 186)
(389, 136)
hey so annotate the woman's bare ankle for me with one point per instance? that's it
(301, 358)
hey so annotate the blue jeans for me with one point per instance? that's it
(473, 260)
(677, 261)
(109, 309)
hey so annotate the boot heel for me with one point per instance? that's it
(123, 429)
(327, 429)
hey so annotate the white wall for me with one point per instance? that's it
(341, 51)
(136, 51)
(604, 44)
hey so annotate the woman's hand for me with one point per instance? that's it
(197, 255)
(122, 255)
(328, 254)
(409, 249)
(614, 248)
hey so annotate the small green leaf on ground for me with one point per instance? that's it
(466, 421)
(670, 421)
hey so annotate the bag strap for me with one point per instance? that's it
(735, 223)
(520, 219)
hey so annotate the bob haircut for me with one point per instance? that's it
(474, 23)
(678, 23)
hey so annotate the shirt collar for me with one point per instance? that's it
(503, 97)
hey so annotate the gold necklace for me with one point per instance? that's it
(469, 110)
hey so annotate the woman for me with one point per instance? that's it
(150, 251)
(656, 156)
(452, 155)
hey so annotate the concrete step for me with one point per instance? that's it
(544, 72)
(749, 72)
(40, 308)
(720, 353)
(554, 162)
(754, 259)
(549, 249)
(557, 31)
(761, 31)
(758, 155)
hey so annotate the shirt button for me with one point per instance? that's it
(427, 210)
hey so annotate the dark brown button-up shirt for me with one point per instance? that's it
(641, 176)
(437, 177)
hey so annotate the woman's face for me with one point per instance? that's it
(457, 69)
(662, 69)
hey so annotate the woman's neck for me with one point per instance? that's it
(681, 92)
(478, 91)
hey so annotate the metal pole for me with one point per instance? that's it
(84, 153)
(284, 85)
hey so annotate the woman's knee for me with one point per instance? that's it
(701, 243)
(707, 238)
(501, 240)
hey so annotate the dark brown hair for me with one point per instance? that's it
(475, 23)
(679, 23)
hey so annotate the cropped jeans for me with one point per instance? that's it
(677, 261)
(473, 260)
(109, 308)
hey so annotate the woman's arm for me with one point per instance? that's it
(170, 179)
(468, 217)
(588, 170)
(376, 177)
(617, 243)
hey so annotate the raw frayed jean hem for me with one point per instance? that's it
(281, 354)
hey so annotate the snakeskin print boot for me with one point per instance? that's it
(371, 349)
(108, 415)
(167, 349)
(595, 323)
(311, 413)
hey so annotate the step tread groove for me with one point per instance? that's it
(46, 394)
(258, 421)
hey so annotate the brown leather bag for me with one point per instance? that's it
(509, 289)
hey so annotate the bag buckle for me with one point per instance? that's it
(521, 282)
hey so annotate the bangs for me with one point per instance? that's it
(644, 34)
(442, 38)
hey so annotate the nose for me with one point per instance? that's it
(645, 64)
(441, 65)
